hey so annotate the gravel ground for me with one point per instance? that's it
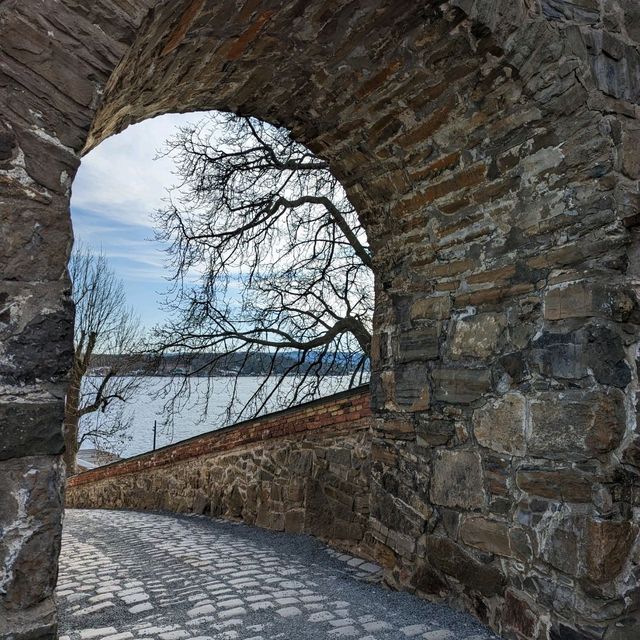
(137, 575)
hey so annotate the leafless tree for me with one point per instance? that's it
(104, 325)
(269, 260)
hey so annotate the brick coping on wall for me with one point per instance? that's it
(346, 406)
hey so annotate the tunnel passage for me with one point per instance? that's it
(491, 150)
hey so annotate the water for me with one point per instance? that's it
(148, 404)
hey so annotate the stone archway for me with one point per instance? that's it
(491, 149)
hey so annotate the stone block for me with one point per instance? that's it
(486, 534)
(594, 350)
(497, 471)
(630, 145)
(294, 520)
(431, 431)
(581, 11)
(457, 479)
(476, 336)
(432, 308)
(500, 425)
(425, 579)
(520, 544)
(411, 387)
(396, 427)
(518, 615)
(34, 623)
(30, 522)
(31, 429)
(418, 344)
(560, 547)
(607, 548)
(575, 425)
(562, 485)
(448, 557)
(587, 299)
(42, 349)
(461, 386)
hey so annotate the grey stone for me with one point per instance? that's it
(501, 424)
(574, 425)
(594, 350)
(460, 385)
(476, 336)
(457, 479)
(29, 428)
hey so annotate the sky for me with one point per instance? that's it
(118, 186)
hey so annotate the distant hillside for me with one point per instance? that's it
(234, 364)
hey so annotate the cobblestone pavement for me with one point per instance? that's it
(127, 575)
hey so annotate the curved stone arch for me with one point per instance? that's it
(501, 198)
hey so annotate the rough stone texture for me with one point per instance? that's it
(30, 518)
(490, 147)
(477, 336)
(457, 480)
(501, 425)
(574, 425)
(304, 470)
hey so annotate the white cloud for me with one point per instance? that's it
(120, 180)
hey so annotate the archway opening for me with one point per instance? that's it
(220, 273)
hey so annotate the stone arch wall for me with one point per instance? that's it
(491, 149)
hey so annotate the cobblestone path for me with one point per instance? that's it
(127, 575)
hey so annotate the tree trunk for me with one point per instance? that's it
(71, 421)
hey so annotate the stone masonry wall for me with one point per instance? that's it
(491, 150)
(304, 470)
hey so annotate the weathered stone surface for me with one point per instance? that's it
(460, 385)
(566, 485)
(448, 557)
(41, 350)
(486, 534)
(29, 428)
(573, 425)
(30, 521)
(419, 344)
(582, 11)
(607, 546)
(433, 431)
(476, 336)
(457, 479)
(631, 139)
(560, 546)
(595, 350)
(586, 300)
(411, 387)
(501, 425)
(518, 615)
(432, 308)
(34, 623)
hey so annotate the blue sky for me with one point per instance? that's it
(117, 188)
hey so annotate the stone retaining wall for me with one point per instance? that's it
(302, 470)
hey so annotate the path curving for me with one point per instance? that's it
(127, 575)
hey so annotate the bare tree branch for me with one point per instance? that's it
(103, 324)
(268, 259)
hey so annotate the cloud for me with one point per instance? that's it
(118, 186)
(121, 180)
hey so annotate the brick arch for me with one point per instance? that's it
(489, 147)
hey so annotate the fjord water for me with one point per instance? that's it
(149, 404)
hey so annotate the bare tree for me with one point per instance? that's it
(269, 260)
(104, 325)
